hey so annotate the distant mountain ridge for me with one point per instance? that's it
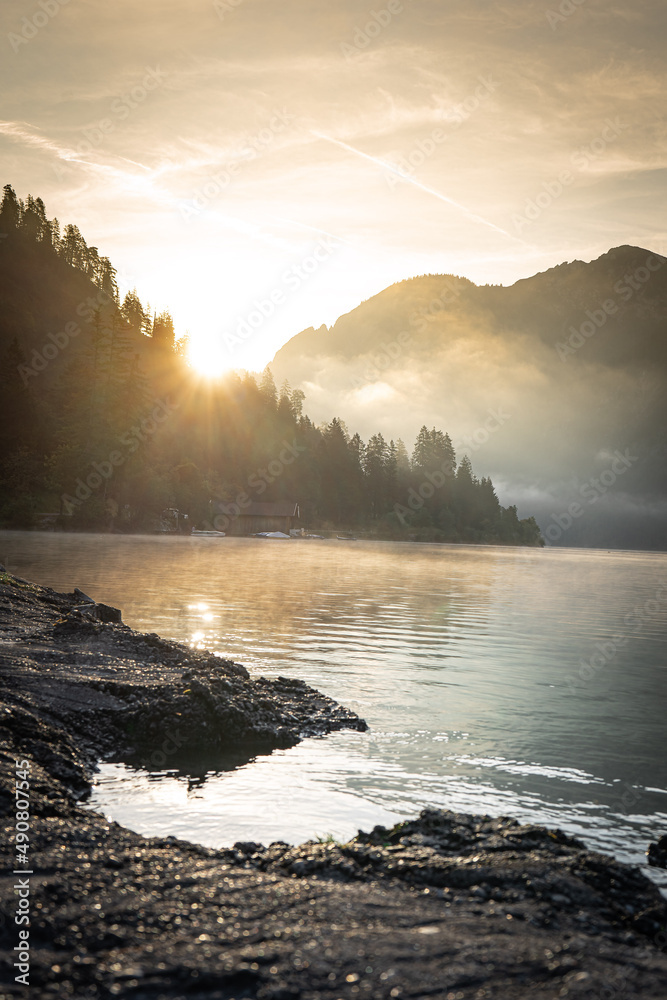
(575, 357)
(611, 277)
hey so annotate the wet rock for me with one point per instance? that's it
(80, 596)
(119, 915)
(247, 847)
(657, 853)
(445, 904)
(105, 613)
(115, 692)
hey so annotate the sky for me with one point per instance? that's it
(259, 167)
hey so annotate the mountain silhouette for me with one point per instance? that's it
(555, 386)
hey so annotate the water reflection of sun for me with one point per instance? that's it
(197, 639)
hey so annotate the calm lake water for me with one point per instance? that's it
(530, 683)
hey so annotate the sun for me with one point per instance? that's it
(211, 357)
(208, 359)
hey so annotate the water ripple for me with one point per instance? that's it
(523, 682)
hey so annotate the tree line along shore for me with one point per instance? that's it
(104, 425)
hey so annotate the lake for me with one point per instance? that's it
(523, 682)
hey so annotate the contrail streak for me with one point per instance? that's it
(422, 187)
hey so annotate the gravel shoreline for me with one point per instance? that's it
(447, 905)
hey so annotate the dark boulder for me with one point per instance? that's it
(657, 853)
(110, 616)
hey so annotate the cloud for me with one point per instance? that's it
(223, 81)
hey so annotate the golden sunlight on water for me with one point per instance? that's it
(518, 681)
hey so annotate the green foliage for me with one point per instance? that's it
(122, 431)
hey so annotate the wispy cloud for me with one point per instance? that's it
(408, 179)
(556, 88)
(29, 135)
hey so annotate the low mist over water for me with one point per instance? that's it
(519, 681)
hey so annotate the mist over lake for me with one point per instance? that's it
(494, 680)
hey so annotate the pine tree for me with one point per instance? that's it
(338, 484)
(107, 280)
(163, 330)
(24, 437)
(297, 397)
(376, 462)
(422, 450)
(433, 450)
(267, 387)
(73, 249)
(391, 476)
(402, 459)
(134, 313)
(10, 211)
(182, 347)
(34, 223)
(52, 235)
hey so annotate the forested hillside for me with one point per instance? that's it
(103, 423)
(543, 382)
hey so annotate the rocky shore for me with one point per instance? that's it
(447, 905)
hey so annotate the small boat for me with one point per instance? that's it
(207, 534)
(346, 538)
(270, 534)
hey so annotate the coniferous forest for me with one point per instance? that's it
(104, 424)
